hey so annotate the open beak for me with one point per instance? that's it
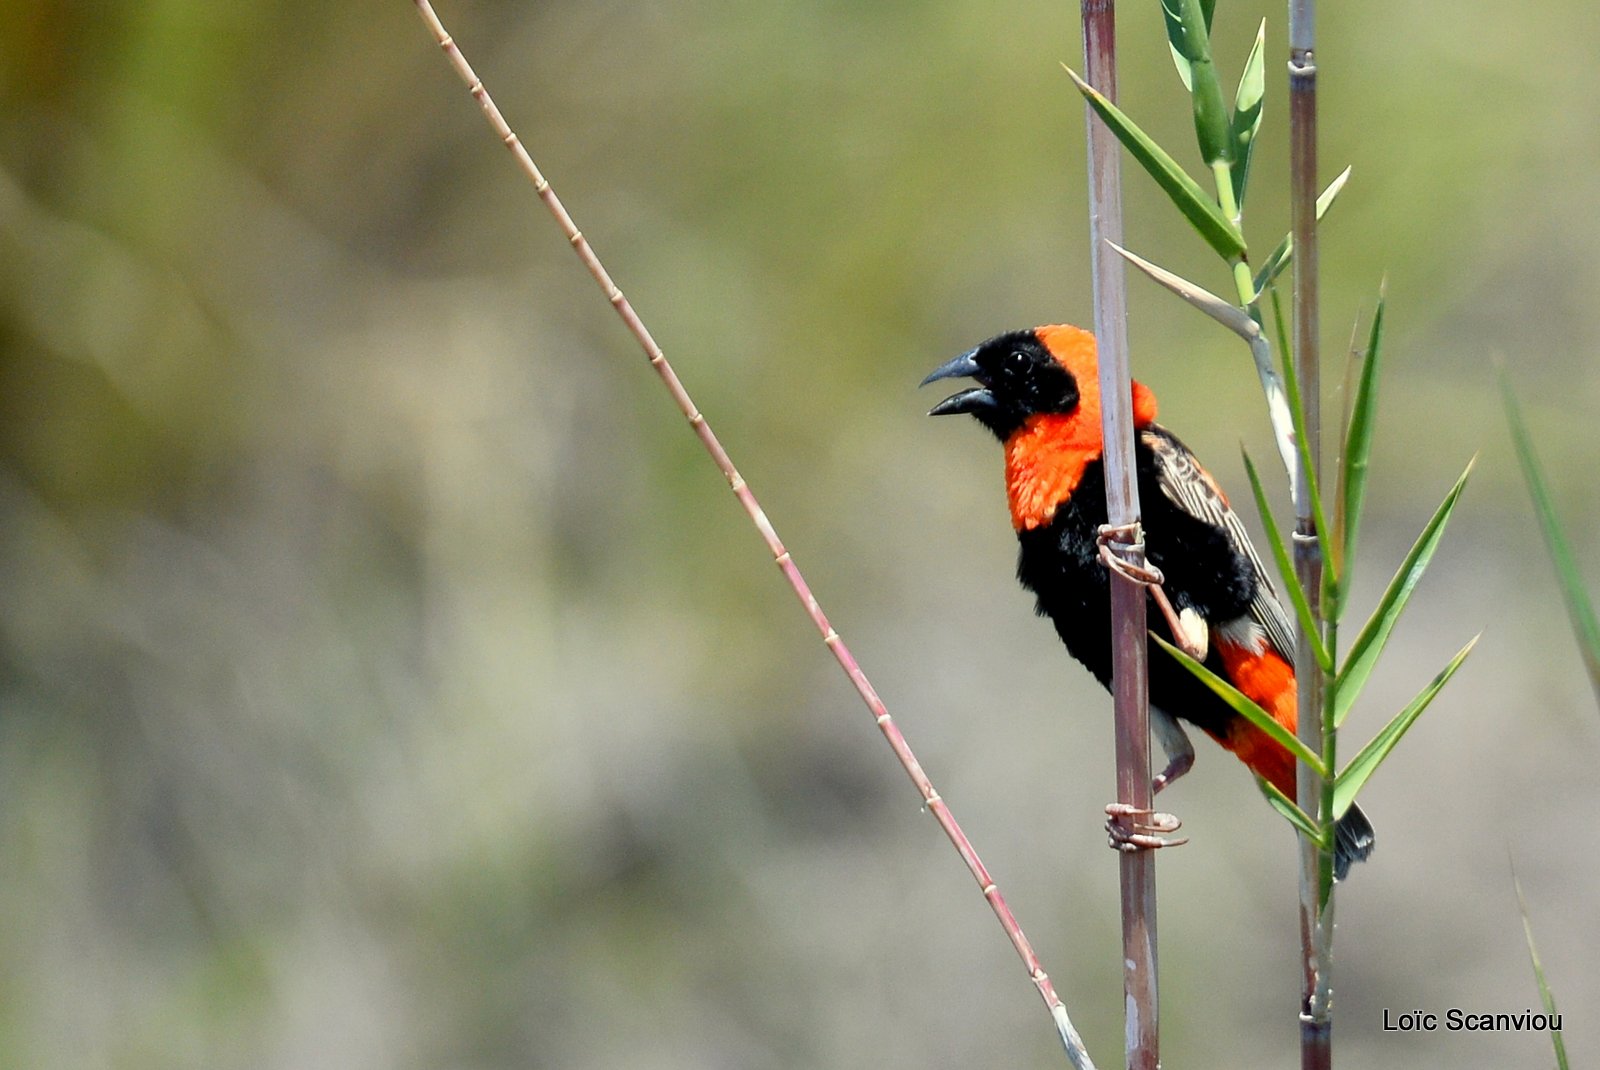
(964, 366)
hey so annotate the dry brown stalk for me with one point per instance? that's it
(1316, 886)
(831, 638)
(1130, 680)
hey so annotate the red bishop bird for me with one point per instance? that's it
(1039, 392)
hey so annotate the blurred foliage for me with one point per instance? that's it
(1547, 999)
(1574, 591)
(386, 680)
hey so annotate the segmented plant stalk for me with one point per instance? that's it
(1316, 875)
(791, 572)
(1130, 682)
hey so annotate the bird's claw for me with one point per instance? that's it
(1129, 828)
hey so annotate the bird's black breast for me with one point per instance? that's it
(1059, 562)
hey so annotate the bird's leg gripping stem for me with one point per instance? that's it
(1129, 828)
(1189, 631)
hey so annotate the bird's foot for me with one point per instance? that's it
(1127, 536)
(1129, 828)
(1189, 629)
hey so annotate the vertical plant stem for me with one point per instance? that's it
(1076, 1053)
(1316, 877)
(1130, 682)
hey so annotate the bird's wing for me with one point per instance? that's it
(1191, 488)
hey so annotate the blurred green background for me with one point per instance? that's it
(387, 680)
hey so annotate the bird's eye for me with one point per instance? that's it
(1016, 360)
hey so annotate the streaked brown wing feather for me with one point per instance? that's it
(1191, 488)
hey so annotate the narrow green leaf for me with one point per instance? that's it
(1245, 707)
(1291, 582)
(1279, 259)
(1291, 810)
(1351, 778)
(1546, 997)
(1205, 88)
(1353, 364)
(1246, 120)
(1375, 633)
(1202, 212)
(1326, 197)
(1579, 608)
(1357, 450)
(1171, 12)
(1334, 599)
(1273, 266)
(1285, 347)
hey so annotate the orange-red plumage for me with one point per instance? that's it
(1266, 678)
(1039, 393)
(1047, 455)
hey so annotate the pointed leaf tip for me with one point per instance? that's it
(1374, 635)
(1357, 451)
(1202, 212)
(1246, 120)
(1353, 776)
(1226, 313)
(1574, 592)
(1279, 258)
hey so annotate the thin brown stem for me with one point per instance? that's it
(1130, 682)
(769, 535)
(1316, 884)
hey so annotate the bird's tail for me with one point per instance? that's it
(1353, 841)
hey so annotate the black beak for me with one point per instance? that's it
(971, 401)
